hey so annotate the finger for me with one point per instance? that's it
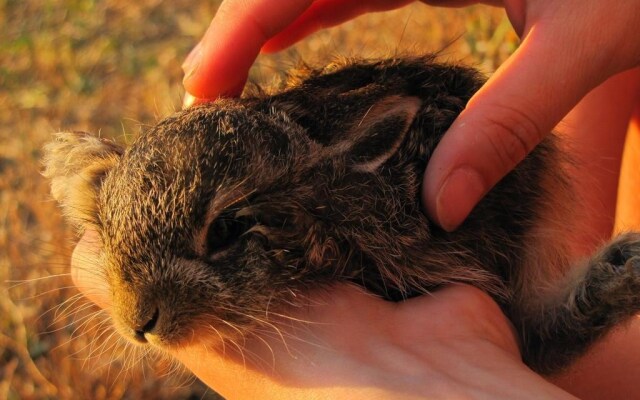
(220, 64)
(325, 14)
(510, 115)
(461, 3)
(86, 271)
(328, 13)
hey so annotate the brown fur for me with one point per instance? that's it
(228, 210)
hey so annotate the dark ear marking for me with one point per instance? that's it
(378, 134)
(76, 163)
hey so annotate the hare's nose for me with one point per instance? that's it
(147, 327)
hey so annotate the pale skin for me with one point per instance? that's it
(352, 345)
(457, 343)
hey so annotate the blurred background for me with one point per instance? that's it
(113, 67)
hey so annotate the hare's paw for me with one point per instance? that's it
(606, 296)
(624, 251)
(614, 279)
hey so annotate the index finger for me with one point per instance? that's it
(221, 62)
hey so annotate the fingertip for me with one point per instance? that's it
(451, 186)
(218, 66)
(190, 100)
(451, 202)
(240, 28)
(210, 80)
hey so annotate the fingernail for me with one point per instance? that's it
(192, 62)
(188, 100)
(458, 196)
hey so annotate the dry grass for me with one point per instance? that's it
(114, 67)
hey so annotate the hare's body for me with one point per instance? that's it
(231, 208)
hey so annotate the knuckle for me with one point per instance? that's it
(511, 135)
(470, 298)
(464, 300)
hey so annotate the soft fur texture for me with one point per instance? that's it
(230, 209)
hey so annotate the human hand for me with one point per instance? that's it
(349, 344)
(241, 29)
(568, 48)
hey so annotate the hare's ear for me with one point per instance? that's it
(76, 163)
(378, 134)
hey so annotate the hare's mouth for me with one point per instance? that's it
(142, 333)
(151, 334)
(171, 329)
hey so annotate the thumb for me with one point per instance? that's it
(505, 120)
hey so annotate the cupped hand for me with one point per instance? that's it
(345, 343)
(568, 48)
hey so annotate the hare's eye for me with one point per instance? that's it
(225, 230)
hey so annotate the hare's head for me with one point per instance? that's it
(222, 213)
